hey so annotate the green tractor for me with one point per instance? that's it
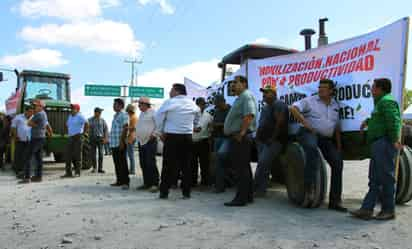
(54, 90)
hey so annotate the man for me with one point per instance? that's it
(319, 116)
(145, 133)
(201, 146)
(131, 136)
(76, 124)
(39, 127)
(223, 171)
(239, 125)
(175, 120)
(117, 140)
(4, 136)
(271, 136)
(383, 136)
(20, 132)
(98, 136)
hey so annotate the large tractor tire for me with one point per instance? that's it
(58, 157)
(294, 162)
(86, 153)
(404, 181)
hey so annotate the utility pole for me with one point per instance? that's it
(132, 63)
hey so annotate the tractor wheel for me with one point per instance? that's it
(404, 181)
(58, 157)
(294, 161)
(86, 157)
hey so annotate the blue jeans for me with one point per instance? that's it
(266, 154)
(36, 148)
(381, 176)
(310, 143)
(130, 155)
(147, 157)
(221, 147)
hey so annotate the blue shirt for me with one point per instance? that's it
(75, 124)
(40, 119)
(120, 119)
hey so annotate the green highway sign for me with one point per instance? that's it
(102, 90)
(142, 91)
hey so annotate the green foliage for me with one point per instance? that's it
(407, 98)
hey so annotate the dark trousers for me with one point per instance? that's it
(35, 151)
(120, 165)
(240, 154)
(201, 157)
(147, 158)
(381, 176)
(73, 154)
(2, 152)
(97, 146)
(21, 156)
(177, 152)
(310, 143)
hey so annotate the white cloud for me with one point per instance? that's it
(262, 40)
(65, 9)
(102, 36)
(35, 59)
(165, 6)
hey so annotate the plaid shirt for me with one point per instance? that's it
(120, 119)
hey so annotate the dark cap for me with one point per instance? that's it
(268, 88)
(98, 109)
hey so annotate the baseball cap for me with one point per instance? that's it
(98, 109)
(38, 102)
(75, 106)
(268, 87)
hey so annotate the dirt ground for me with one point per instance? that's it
(87, 213)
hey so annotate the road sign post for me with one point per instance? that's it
(151, 92)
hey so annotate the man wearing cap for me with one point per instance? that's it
(131, 136)
(98, 136)
(39, 128)
(239, 125)
(201, 147)
(117, 140)
(319, 117)
(271, 136)
(76, 124)
(4, 135)
(175, 121)
(145, 133)
(224, 174)
(20, 132)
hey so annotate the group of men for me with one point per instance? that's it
(186, 129)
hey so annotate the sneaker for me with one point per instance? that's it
(101, 171)
(116, 184)
(93, 171)
(337, 207)
(125, 186)
(385, 215)
(36, 178)
(142, 187)
(163, 196)
(362, 214)
(24, 181)
(67, 176)
(259, 194)
(153, 189)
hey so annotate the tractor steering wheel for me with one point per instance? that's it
(45, 92)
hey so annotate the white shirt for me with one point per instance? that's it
(321, 117)
(23, 130)
(177, 115)
(204, 121)
(146, 126)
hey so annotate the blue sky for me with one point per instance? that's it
(90, 39)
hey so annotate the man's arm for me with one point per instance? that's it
(338, 138)
(49, 130)
(281, 123)
(105, 132)
(392, 120)
(246, 121)
(299, 117)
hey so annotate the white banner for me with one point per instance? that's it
(352, 64)
(194, 90)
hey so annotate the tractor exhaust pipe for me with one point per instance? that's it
(323, 38)
(307, 34)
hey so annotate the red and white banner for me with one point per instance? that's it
(352, 64)
(12, 103)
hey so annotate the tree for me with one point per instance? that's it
(407, 98)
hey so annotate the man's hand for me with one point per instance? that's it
(363, 125)
(162, 137)
(197, 129)
(398, 145)
(307, 126)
